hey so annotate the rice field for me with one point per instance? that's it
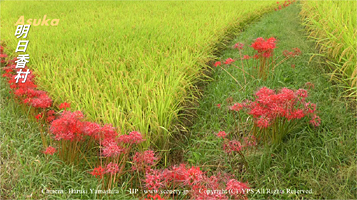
(130, 64)
(333, 24)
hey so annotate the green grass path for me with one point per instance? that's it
(321, 159)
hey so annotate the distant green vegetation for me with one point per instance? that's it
(131, 64)
(334, 26)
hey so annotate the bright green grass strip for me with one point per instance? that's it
(130, 64)
(321, 159)
(334, 26)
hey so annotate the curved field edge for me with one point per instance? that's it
(333, 25)
(130, 70)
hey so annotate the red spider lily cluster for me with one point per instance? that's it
(230, 146)
(229, 61)
(112, 168)
(264, 47)
(285, 4)
(98, 172)
(271, 109)
(64, 105)
(221, 134)
(155, 197)
(287, 104)
(71, 126)
(238, 46)
(27, 91)
(196, 182)
(50, 150)
(294, 53)
(143, 161)
(264, 54)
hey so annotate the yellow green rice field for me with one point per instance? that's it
(130, 64)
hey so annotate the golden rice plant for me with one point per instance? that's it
(333, 24)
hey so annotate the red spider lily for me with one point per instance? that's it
(91, 128)
(267, 54)
(13, 61)
(221, 134)
(297, 51)
(112, 149)
(250, 141)
(108, 132)
(133, 138)
(50, 112)
(316, 121)
(236, 107)
(112, 168)
(176, 174)
(156, 197)
(297, 114)
(301, 93)
(246, 57)
(50, 118)
(50, 150)
(218, 105)
(10, 66)
(144, 160)
(310, 107)
(43, 101)
(28, 83)
(263, 122)
(218, 63)
(193, 179)
(195, 175)
(64, 105)
(264, 47)
(229, 61)
(98, 172)
(237, 188)
(238, 46)
(294, 53)
(29, 92)
(68, 126)
(280, 108)
(153, 179)
(8, 73)
(39, 116)
(232, 146)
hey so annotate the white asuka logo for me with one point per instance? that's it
(37, 22)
